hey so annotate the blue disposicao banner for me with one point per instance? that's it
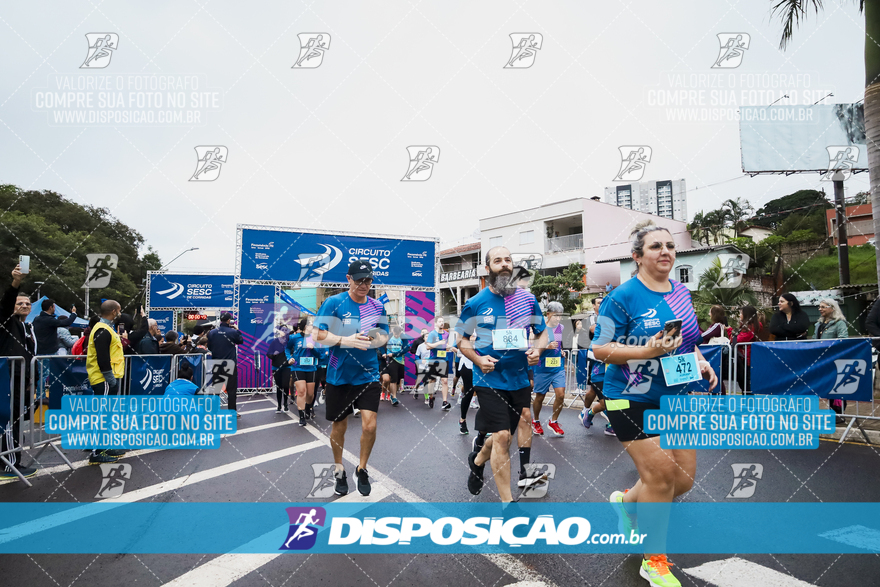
(169, 290)
(834, 369)
(298, 256)
(149, 374)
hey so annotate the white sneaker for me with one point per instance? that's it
(357, 413)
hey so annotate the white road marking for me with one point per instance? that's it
(229, 568)
(737, 572)
(84, 511)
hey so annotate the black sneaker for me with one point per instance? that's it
(101, 456)
(285, 408)
(278, 410)
(475, 476)
(302, 419)
(431, 402)
(115, 453)
(341, 483)
(363, 481)
(26, 472)
(462, 427)
(446, 406)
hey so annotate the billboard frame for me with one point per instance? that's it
(177, 309)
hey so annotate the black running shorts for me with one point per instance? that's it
(500, 409)
(394, 370)
(307, 376)
(342, 399)
(628, 423)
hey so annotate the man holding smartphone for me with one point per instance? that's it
(353, 326)
(15, 341)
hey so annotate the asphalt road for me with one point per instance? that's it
(420, 455)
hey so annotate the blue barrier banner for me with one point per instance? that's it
(279, 255)
(170, 290)
(195, 362)
(833, 369)
(5, 394)
(712, 353)
(396, 528)
(149, 375)
(65, 376)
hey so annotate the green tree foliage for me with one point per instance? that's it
(709, 293)
(561, 288)
(775, 212)
(58, 234)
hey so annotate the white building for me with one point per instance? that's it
(458, 277)
(580, 231)
(667, 198)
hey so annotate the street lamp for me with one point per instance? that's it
(178, 257)
(39, 284)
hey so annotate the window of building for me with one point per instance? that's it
(495, 241)
(684, 273)
(527, 237)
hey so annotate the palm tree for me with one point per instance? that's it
(709, 292)
(714, 224)
(698, 228)
(791, 12)
(736, 211)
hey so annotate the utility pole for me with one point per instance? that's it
(842, 248)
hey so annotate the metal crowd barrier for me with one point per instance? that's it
(853, 418)
(8, 430)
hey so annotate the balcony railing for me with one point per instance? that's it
(571, 242)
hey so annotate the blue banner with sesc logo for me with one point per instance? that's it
(171, 290)
(278, 255)
(833, 369)
(149, 374)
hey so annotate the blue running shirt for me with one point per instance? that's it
(631, 314)
(297, 348)
(542, 367)
(342, 316)
(488, 311)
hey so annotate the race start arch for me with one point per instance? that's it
(169, 293)
(271, 259)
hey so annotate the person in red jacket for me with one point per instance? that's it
(749, 327)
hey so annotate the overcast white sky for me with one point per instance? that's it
(325, 148)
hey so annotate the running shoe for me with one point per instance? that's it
(26, 472)
(427, 400)
(278, 410)
(286, 408)
(101, 456)
(356, 413)
(626, 523)
(395, 401)
(656, 571)
(556, 428)
(609, 431)
(446, 406)
(587, 417)
(475, 476)
(382, 397)
(431, 402)
(308, 412)
(302, 419)
(115, 453)
(341, 482)
(321, 398)
(536, 428)
(462, 427)
(474, 405)
(363, 481)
